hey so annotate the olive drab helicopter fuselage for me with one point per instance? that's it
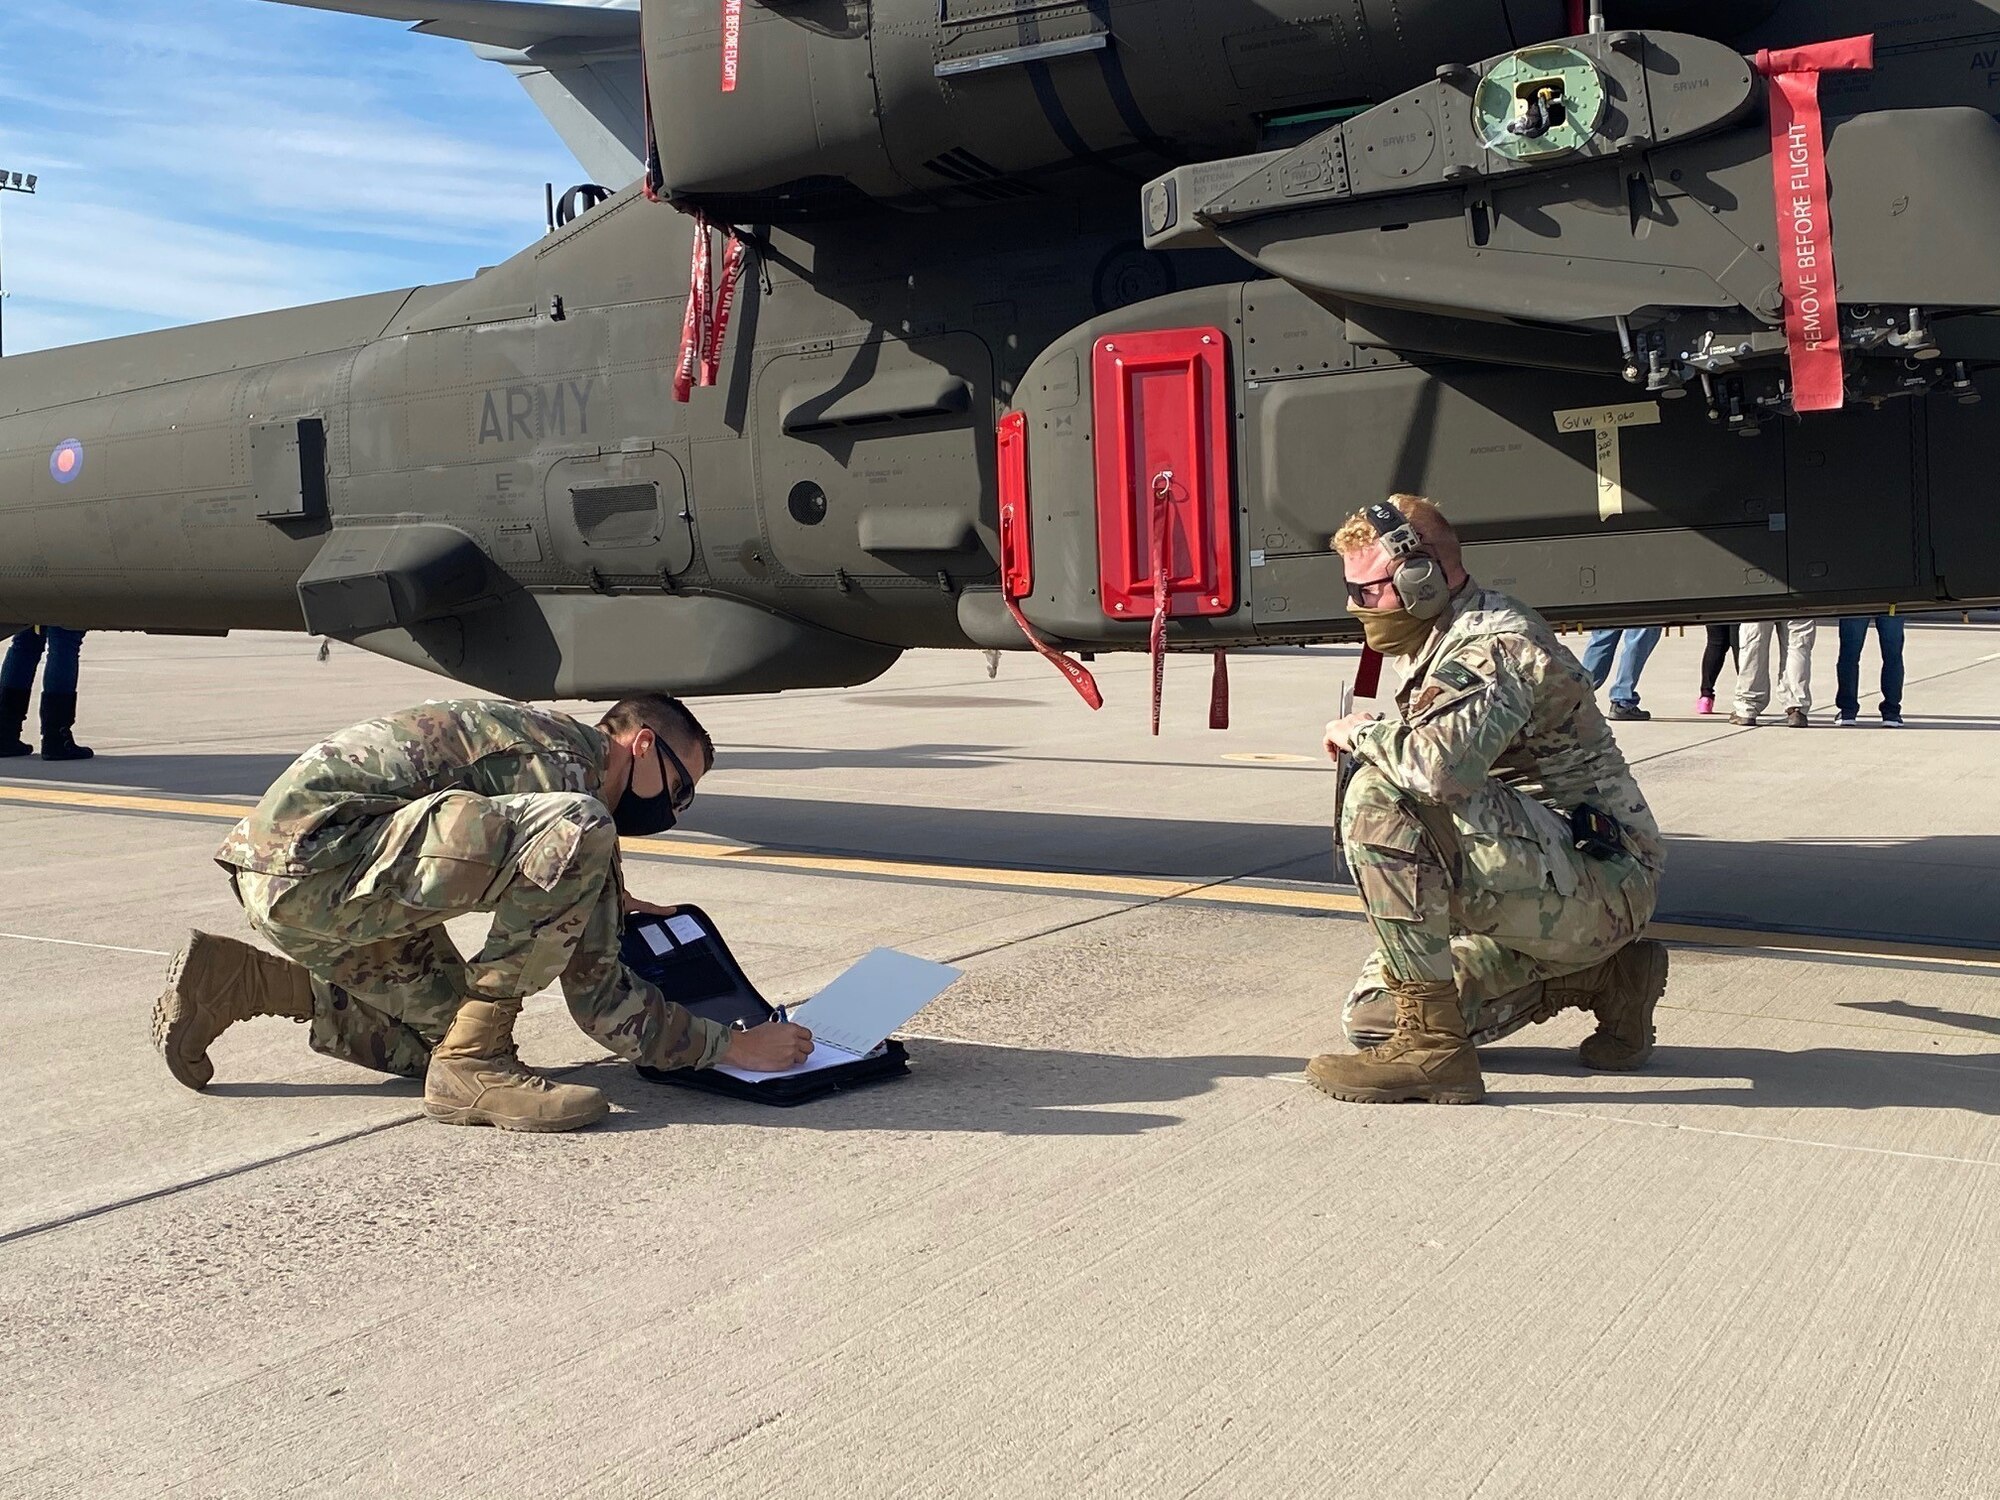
(1027, 318)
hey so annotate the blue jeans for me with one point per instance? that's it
(1639, 644)
(17, 673)
(1847, 671)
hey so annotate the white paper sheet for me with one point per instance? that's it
(860, 1008)
(686, 928)
(819, 1057)
(655, 939)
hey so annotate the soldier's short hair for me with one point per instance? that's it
(664, 716)
(1432, 529)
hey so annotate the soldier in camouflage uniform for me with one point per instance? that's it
(1456, 823)
(373, 839)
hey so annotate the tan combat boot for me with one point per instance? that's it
(213, 983)
(476, 1078)
(1628, 986)
(1621, 991)
(1427, 1057)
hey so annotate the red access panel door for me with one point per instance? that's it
(1017, 568)
(1160, 409)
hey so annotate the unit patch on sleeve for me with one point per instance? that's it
(1453, 675)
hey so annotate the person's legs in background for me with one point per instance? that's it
(1753, 674)
(1889, 633)
(1795, 675)
(1847, 669)
(1639, 645)
(61, 669)
(1720, 639)
(17, 686)
(59, 678)
(1597, 654)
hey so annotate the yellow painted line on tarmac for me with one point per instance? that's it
(1813, 942)
(1078, 883)
(1142, 886)
(36, 796)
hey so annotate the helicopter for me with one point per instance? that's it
(1082, 327)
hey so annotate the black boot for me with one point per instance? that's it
(58, 718)
(13, 714)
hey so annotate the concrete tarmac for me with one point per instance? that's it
(1104, 1240)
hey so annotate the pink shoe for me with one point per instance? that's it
(1704, 705)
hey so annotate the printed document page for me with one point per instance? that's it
(859, 1009)
(819, 1057)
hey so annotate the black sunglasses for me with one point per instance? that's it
(1354, 590)
(680, 803)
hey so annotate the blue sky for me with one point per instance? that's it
(204, 158)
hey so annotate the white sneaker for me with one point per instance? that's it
(1845, 721)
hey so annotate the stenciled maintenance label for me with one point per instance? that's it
(1604, 424)
(536, 412)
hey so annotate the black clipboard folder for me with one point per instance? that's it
(704, 976)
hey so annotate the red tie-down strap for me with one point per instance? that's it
(1805, 230)
(733, 260)
(1218, 686)
(1163, 491)
(1077, 673)
(1016, 563)
(705, 325)
(1368, 676)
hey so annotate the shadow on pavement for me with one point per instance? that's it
(1867, 886)
(1762, 1078)
(961, 1086)
(1902, 890)
(1987, 1025)
(1089, 842)
(185, 775)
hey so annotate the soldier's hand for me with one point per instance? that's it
(634, 904)
(770, 1048)
(1340, 733)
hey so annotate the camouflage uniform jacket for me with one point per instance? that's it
(322, 811)
(1495, 695)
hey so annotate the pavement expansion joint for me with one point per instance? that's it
(206, 1179)
(28, 937)
(1751, 1135)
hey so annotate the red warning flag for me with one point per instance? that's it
(1805, 230)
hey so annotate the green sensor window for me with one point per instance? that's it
(1539, 102)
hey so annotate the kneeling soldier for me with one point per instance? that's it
(374, 839)
(1504, 854)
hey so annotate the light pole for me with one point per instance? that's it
(10, 182)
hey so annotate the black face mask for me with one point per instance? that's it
(641, 817)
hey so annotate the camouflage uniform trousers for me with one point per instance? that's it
(387, 979)
(1491, 895)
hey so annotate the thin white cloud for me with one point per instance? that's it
(129, 261)
(311, 169)
(214, 157)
